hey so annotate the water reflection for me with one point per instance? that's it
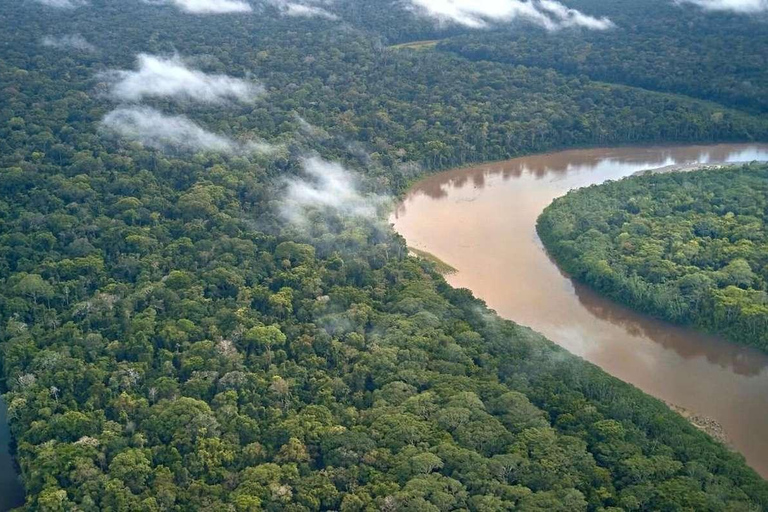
(555, 165)
(482, 221)
(741, 360)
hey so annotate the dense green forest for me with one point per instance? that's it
(688, 247)
(659, 45)
(678, 49)
(202, 309)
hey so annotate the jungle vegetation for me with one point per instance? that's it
(691, 248)
(172, 340)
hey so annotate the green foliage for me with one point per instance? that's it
(688, 247)
(656, 45)
(169, 342)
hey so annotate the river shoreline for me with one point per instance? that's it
(481, 221)
(441, 267)
(705, 424)
(691, 167)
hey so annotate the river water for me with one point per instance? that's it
(11, 491)
(482, 221)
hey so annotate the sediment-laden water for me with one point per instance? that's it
(481, 221)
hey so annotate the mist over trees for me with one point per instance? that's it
(201, 309)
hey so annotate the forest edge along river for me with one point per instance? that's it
(482, 222)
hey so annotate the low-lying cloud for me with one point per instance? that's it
(207, 6)
(304, 8)
(741, 6)
(329, 187)
(159, 77)
(550, 14)
(308, 11)
(566, 17)
(68, 42)
(173, 133)
(63, 4)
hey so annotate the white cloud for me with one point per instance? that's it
(330, 187)
(207, 6)
(308, 128)
(160, 77)
(549, 14)
(68, 42)
(173, 133)
(304, 8)
(741, 6)
(63, 4)
(567, 17)
(307, 11)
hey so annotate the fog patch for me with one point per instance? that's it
(161, 77)
(63, 4)
(328, 187)
(206, 6)
(308, 11)
(549, 14)
(68, 42)
(304, 8)
(739, 6)
(309, 129)
(566, 17)
(156, 130)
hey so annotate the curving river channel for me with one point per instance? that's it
(482, 220)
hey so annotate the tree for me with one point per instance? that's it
(132, 467)
(34, 286)
(264, 338)
(293, 451)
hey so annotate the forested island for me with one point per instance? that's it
(201, 307)
(689, 247)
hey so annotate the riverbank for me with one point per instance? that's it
(442, 267)
(482, 220)
(690, 167)
(712, 427)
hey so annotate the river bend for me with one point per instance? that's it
(482, 221)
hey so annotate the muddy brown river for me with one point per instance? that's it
(481, 221)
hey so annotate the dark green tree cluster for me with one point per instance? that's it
(687, 247)
(679, 48)
(169, 342)
(162, 353)
(400, 107)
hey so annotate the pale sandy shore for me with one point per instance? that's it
(694, 166)
(708, 425)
